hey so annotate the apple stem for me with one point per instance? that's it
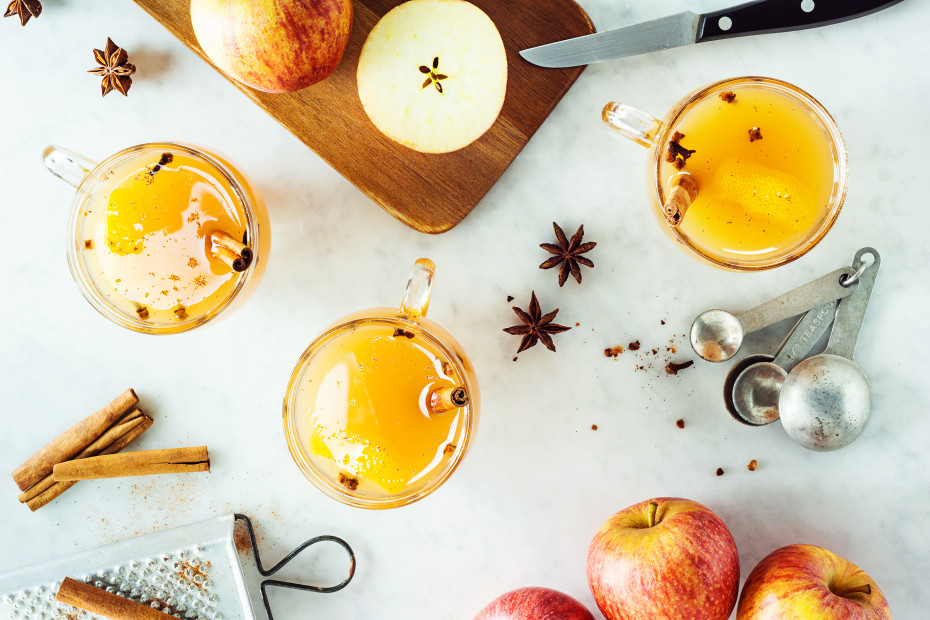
(653, 507)
(863, 589)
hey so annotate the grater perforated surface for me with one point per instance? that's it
(190, 572)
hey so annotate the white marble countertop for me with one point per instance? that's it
(538, 481)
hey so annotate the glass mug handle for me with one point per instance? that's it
(67, 165)
(634, 124)
(419, 287)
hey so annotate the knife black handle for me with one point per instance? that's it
(764, 16)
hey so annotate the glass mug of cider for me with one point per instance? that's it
(381, 407)
(747, 173)
(163, 237)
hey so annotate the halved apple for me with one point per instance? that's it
(433, 74)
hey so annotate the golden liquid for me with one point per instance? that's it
(361, 410)
(756, 198)
(146, 238)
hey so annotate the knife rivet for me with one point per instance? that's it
(725, 23)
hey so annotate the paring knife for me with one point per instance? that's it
(760, 17)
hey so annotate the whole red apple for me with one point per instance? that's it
(534, 604)
(806, 581)
(275, 46)
(664, 558)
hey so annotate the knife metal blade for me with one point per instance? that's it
(755, 17)
(658, 34)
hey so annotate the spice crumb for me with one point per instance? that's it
(728, 96)
(180, 312)
(402, 332)
(143, 313)
(633, 346)
(347, 482)
(514, 359)
(680, 423)
(509, 298)
(720, 471)
(755, 134)
(672, 368)
(753, 464)
(88, 244)
(193, 262)
(449, 449)
(613, 352)
(662, 322)
(594, 427)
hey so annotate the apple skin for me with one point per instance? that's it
(534, 604)
(801, 581)
(685, 566)
(275, 46)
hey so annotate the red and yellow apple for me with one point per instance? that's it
(664, 558)
(810, 582)
(534, 604)
(275, 46)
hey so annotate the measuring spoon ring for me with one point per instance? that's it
(756, 389)
(717, 335)
(826, 400)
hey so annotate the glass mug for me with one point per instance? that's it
(381, 407)
(747, 173)
(163, 237)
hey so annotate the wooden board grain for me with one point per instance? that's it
(430, 193)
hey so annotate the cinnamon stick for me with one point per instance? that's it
(49, 489)
(73, 441)
(684, 192)
(447, 398)
(173, 461)
(87, 597)
(233, 261)
(224, 239)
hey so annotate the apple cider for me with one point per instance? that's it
(363, 409)
(145, 237)
(764, 168)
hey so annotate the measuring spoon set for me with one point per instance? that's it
(824, 402)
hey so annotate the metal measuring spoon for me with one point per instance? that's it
(716, 335)
(736, 370)
(756, 389)
(827, 400)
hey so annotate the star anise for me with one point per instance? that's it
(568, 254)
(536, 328)
(24, 9)
(114, 68)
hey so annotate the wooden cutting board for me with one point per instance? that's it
(430, 193)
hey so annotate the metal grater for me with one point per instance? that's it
(191, 572)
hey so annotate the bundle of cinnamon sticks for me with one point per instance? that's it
(106, 431)
(88, 450)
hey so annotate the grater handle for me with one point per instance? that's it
(290, 556)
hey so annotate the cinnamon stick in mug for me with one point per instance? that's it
(48, 489)
(684, 191)
(87, 597)
(447, 398)
(73, 441)
(173, 461)
(223, 238)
